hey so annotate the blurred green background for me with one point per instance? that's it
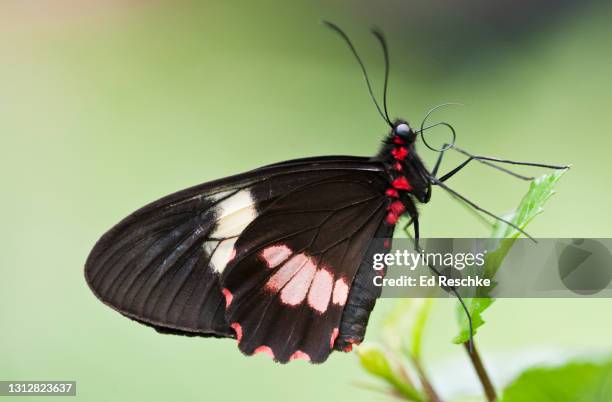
(105, 106)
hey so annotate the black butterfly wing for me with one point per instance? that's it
(161, 265)
(298, 288)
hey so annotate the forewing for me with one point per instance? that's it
(161, 265)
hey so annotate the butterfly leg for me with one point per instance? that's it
(434, 172)
(484, 159)
(412, 212)
(487, 160)
(453, 289)
(417, 235)
(437, 182)
(455, 170)
(407, 225)
(448, 175)
(471, 158)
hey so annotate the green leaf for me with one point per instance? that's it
(573, 382)
(540, 190)
(504, 236)
(476, 306)
(373, 358)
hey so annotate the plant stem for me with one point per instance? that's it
(427, 387)
(483, 376)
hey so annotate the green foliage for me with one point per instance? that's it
(504, 236)
(475, 306)
(409, 317)
(374, 359)
(574, 382)
(418, 328)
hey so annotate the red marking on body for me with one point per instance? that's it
(320, 290)
(354, 341)
(334, 336)
(391, 192)
(340, 294)
(264, 349)
(275, 255)
(347, 348)
(238, 330)
(398, 140)
(397, 207)
(386, 243)
(228, 297)
(401, 183)
(397, 166)
(299, 355)
(295, 291)
(399, 153)
(391, 218)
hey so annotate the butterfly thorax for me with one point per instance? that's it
(407, 175)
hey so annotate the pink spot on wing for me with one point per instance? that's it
(232, 254)
(275, 255)
(286, 272)
(238, 329)
(264, 349)
(320, 290)
(341, 290)
(228, 297)
(334, 335)
(299, 355)
(295, 291)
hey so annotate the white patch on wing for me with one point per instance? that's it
(217, 196)
(223, 254)
(210, 246)
(234, 214)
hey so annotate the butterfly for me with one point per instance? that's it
(278, 258)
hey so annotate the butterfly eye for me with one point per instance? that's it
(402, 129)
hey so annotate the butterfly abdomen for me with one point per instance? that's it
(363, 293)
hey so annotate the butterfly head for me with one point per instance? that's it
(402, 130)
